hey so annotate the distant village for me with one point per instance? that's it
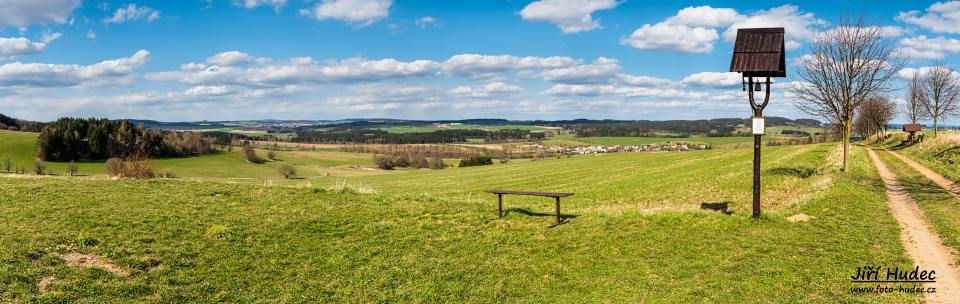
(619, 148)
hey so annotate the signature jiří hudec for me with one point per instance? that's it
(872, 274)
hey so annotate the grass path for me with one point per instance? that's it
(923, 246)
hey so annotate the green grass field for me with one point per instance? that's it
(204, 241)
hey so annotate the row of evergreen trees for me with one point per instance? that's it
(70, 139)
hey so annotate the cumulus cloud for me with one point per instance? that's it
(799, 26)
(359, 12)
(109, 72)
(276, 4)
(22, 13)
(230, 58)
(713, 79)
(670, 37)
(297, 70)
(940, 17)
(705, 16)
(132, 12)
(921, 47)
(10, 47)
(571, 16)
(607, 89)
(487, 90)
(476, 66)
(601, 70)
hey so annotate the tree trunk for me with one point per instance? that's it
(846, 143)
(934, 127)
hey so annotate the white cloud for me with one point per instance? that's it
(209, 91)
(359, 12)
(132, 12)
(297, 70)
(426, 21)
(669, 37)
(91, 34)
(230, 58)
(601, 70)
(940, 17)
(487, 90)
(10, 47)
(695, 29)
(571, 16)
(705, 16)
(276, 4)
(606, 89)
(799, 26)
(23, 13)
(907, 73)
(485, 66)
(713, 79)
(109, 72)
(642, 81)
(921, 47)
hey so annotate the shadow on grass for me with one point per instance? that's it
(801, 172)
(927, 190)
(532, 213)
(722, 207)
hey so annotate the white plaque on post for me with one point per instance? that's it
(758, 126)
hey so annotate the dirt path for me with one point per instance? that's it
(941, 181)
(923, 246)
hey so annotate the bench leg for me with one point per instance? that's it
(558, 211)
(500, 204)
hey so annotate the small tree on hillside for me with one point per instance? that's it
(7, 163)
(913, 109)
(287, 171)
(39, 166)
(941, 89)
(72, 168)
(250, 154)
(271, 155)
(847, 65)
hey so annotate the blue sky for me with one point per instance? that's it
(333, 59)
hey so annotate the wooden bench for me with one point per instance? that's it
(555, 195)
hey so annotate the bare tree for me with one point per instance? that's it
(914, 107)
(874, 115)
(940, 93)
(847, 64)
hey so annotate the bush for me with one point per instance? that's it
(114, 167)
(72, 168)
(437, 163)
(287, 171)
(476, 161)
(250, 154)
(271, 155)
(167, 173)
(136, 167)
(384, 162)
(39, 166)
(7, 163)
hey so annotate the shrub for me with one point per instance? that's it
(250, 154)
(136, 167)
(72, 168)
(271, 155)
(476, 161)
(7, 163)
(114, 167)
(167, 173)
(39, 166)
(437, 163)
(21, 170)
(287, 171)
(504, 160)
(384, 162)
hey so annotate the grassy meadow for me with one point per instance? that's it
(184, 240)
